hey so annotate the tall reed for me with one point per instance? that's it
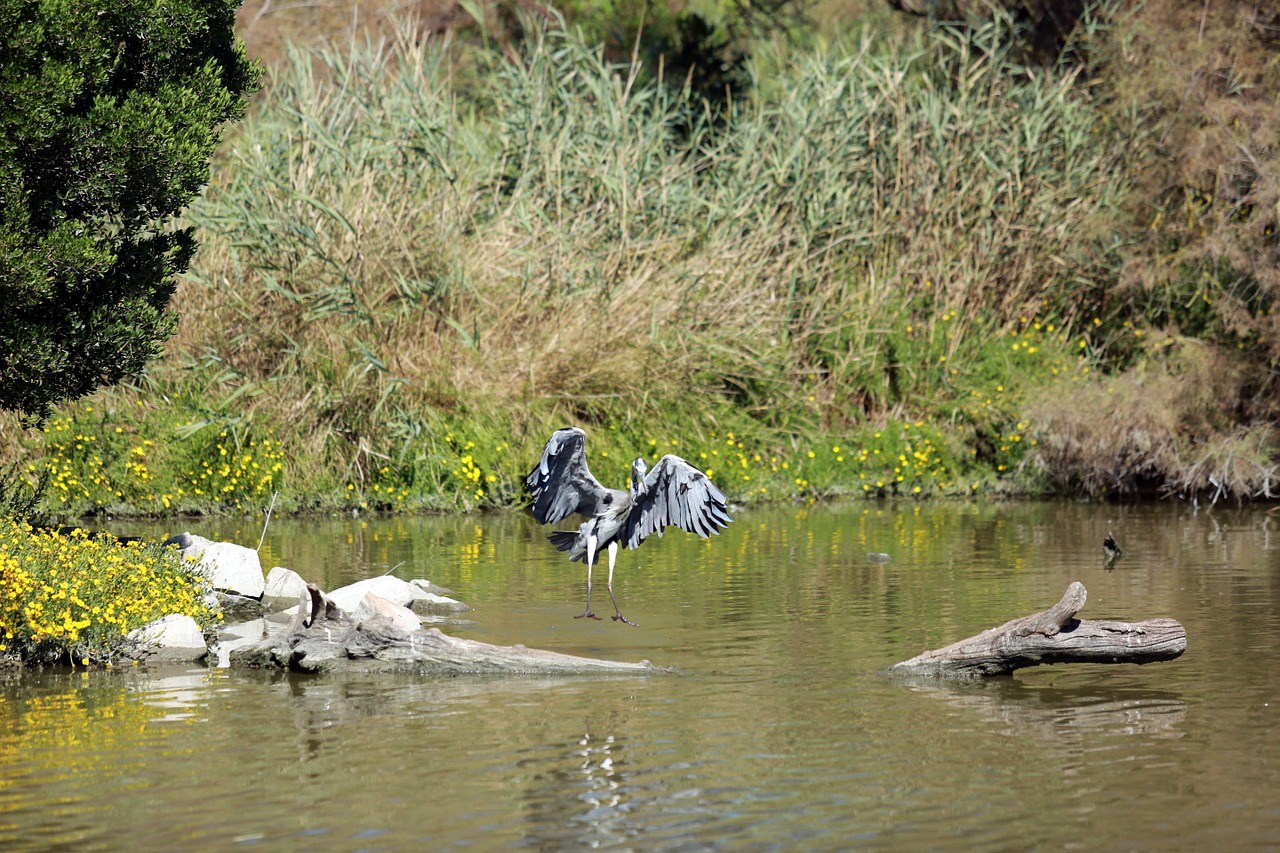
(386, 255)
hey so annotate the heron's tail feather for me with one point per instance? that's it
(563, 539)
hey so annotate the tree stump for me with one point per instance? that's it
(324, 638)
(1052, 636)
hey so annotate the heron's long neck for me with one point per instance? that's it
(636, 484)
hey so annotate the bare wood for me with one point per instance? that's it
(324, 638)
(1053, 636)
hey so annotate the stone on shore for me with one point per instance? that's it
(238, 608)
(174, 638)
(283, 589)
(375, 605)
(428, 586)
(403, 593)
(230, 568)
(440, 605)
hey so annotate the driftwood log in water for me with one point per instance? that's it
(1053, 636)
(324, 638)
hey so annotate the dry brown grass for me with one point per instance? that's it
(1169, 425)
(1208, 75)
(386, 253)
(267, 26)
(361, 271)
(381, 254)
(1197, 411)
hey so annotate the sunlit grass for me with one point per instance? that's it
(411, 274)
(136, 459)
(976, 439)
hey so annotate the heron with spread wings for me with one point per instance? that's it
(674, 492)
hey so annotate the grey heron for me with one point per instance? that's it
(674, 492)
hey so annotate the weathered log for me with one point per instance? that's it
(1052, 636)
(324, 638)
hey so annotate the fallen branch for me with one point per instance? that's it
(324, 638)
(1053, 636)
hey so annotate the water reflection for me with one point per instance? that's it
(1063, 715)
(578, 793)
(182, 696)
(781, 732)
(65, 739)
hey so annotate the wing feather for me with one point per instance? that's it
(560, 483)
(676, 493)
(700, 522)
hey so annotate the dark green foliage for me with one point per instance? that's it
(708, 52)
(109, 114)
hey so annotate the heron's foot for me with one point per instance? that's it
(621, 618)
(587, 615)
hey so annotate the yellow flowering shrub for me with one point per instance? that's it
(448, 471)
(101, 459)
(75, 598)
(225, 473)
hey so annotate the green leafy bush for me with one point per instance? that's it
(111, 114)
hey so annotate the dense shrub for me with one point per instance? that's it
(111, 113)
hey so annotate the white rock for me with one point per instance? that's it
(427, 586)
(391, 588)
(375, 605)
(405, 593)
(173, 637)
(229, 567)
(283, 588)
(429, 602)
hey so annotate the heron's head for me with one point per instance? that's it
(638, 470)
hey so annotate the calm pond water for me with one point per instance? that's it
(781, 729)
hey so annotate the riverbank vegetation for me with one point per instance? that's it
(901, 261)
(72, 599)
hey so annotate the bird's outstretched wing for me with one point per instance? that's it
(560, 483)
(675, 493)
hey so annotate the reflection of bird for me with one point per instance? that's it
(674, 492)
(1110, 548)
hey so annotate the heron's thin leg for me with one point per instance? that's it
(613, 555)
(591, 555)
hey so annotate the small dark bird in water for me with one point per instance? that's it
(1110, 548)
(674, 492)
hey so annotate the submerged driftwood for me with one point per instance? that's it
(324, 638)
(1053, 636)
